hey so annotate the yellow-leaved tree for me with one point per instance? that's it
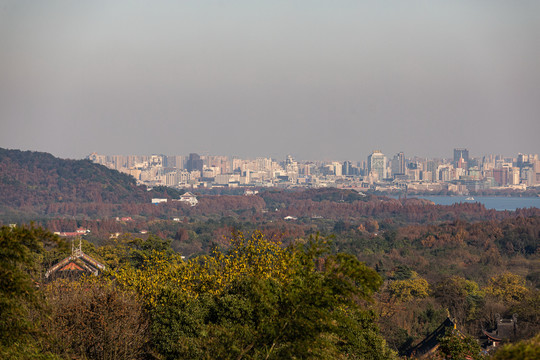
(507, 287)
(163, 274)
(258, 299)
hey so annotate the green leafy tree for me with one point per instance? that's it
(21, 250)
(522, 350)
(261, 301)
(456, 346)
(460, 296)
(132, 251)
(403, 272)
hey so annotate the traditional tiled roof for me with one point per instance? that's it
(505, 330)
(78, 261)
(431, 342)
(491, 337)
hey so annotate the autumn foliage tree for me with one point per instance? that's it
(93, 319)
(507, 287)
(259, 300)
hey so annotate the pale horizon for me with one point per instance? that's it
(314, 79)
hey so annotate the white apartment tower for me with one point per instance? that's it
(377, 164)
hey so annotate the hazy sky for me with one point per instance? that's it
(316, 79)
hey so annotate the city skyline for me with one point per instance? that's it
(460, 174)
(311, 78)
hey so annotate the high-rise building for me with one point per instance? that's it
(398, 164)
(174, 161)
(501, 176)
(347, 168)
(172, 178)
(431, 166)
(194, 162)
(377, 164)
(461, 154)
(221, 162)
(526, 160)
(337, 167)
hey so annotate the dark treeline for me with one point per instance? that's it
(34, 179)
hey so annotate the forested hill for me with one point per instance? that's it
(32, 180)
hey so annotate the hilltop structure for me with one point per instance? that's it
(189, 198)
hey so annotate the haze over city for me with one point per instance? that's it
(270, 179)
(316, 79)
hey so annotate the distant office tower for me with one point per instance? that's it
(501, 176)
(522, 160)
(528, 176)
(377, 164)
(444, 172)
(194, 162)
(526, 160)
(431, 167)
(398, 164)
(180, 161)
(174, 161)
(172, 178)
(461, 154)
(221, 162)
(347, 168)
(337, 167)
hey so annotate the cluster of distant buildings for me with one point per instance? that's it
(459, 174)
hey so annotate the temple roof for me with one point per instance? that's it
(431, 342)
(506, 329)
(78, 261)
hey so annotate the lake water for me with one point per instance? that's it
(490, 202)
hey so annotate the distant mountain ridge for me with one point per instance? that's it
(34, 180)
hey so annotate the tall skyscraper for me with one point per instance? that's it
(501, 176)
(377, 164)
(398, 164)
(173, 161)
(461, 154)
(347, 168)
(194, 162)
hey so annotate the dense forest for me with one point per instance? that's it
(316, 273)
(36, 184)
(38, 179)
(257, 298)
